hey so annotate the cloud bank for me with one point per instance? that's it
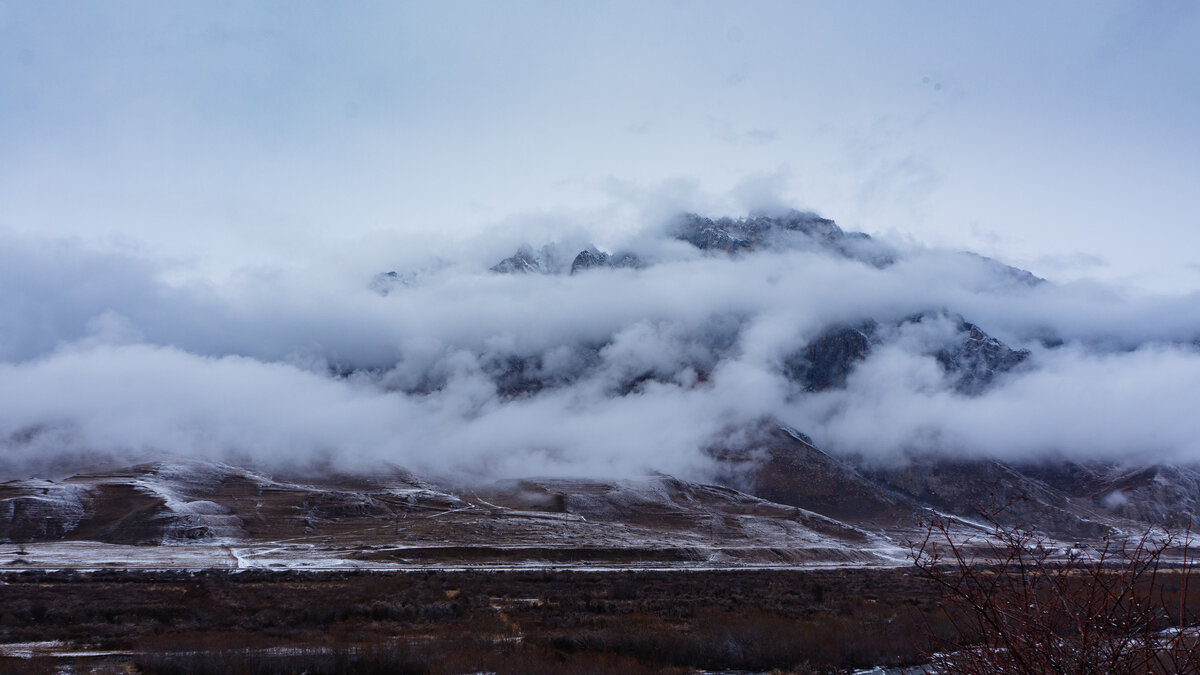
(462, 371)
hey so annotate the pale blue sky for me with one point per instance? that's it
(1062, 137)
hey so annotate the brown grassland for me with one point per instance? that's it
(448, 622)
(257, 621)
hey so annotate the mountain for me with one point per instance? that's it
(645, 335)
(794, 229)
(592, 258)
(527, 261)
(971, 358)
(228, 516)
(775, 499)
(778, 463)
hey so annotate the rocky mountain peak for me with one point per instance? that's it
(589, 258)
(977, 358)
(794, 229)
(524, 261)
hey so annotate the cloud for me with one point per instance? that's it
(1079, 404)
(767, 191)
(609, 372)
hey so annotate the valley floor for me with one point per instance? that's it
(215, 621)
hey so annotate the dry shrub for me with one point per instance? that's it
(1016, 604)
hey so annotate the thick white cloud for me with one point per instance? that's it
(104, 357)
(1130, 406)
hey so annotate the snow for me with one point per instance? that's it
(91, 556)
(27, 650)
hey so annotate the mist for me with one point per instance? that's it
(456, 370)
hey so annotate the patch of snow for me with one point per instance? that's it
(27, 650)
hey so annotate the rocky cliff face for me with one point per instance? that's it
(825, 362)
(976, 358)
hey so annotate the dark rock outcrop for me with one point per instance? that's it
(976, 360)
(827, 361)
(589, 258)
(551, 259)
(794, 229)
(972, 359)
(747, 234)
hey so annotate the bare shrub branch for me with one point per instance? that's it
(1019, 604)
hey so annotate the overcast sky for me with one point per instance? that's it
(1061, 137)
(195, 198)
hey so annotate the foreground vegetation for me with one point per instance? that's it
(1007, 603)
(260, 622)
(1019, 605)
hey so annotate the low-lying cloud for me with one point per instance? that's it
(609, 372)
